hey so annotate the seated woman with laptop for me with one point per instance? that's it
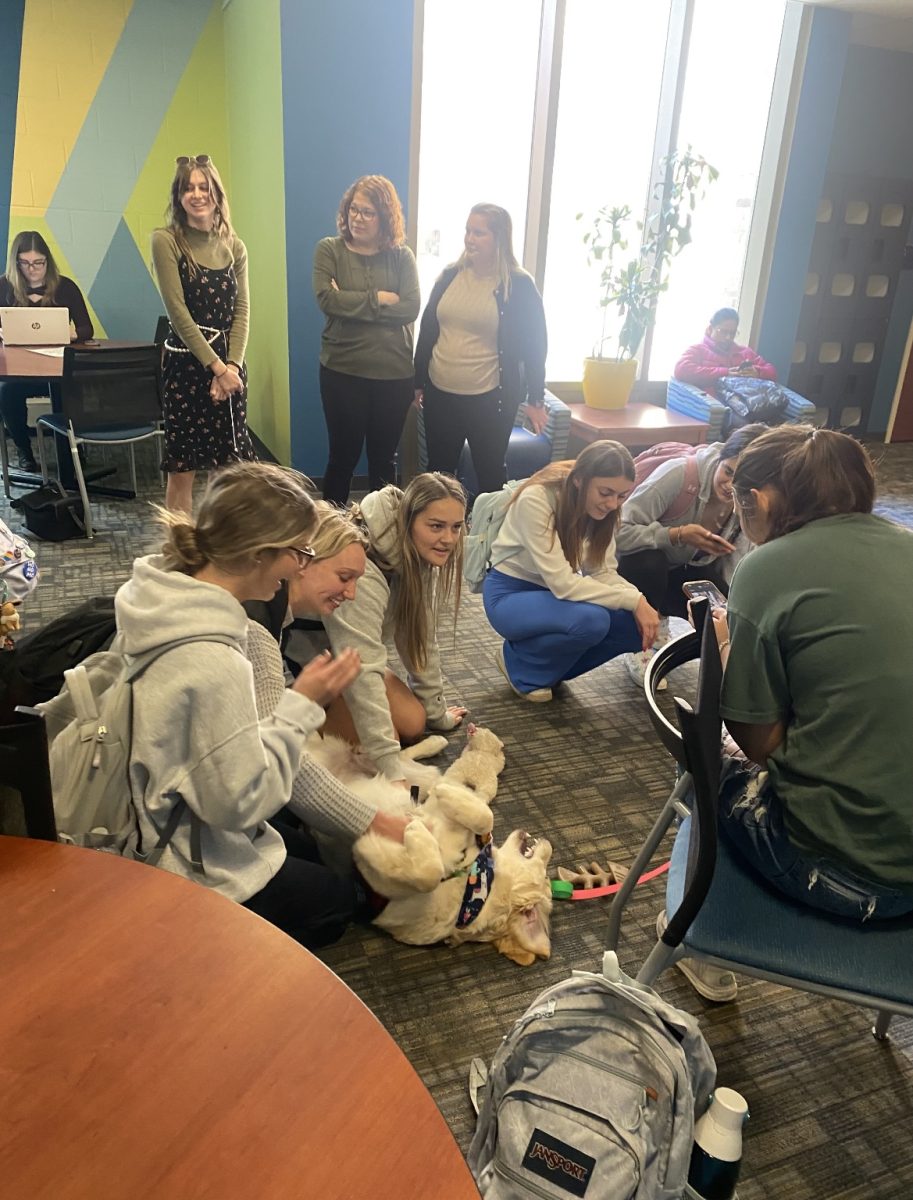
(32, 280)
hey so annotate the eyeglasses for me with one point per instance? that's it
(197, 160)
(36, 264)
(367, 214)
(304, 554)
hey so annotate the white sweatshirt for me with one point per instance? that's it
(527, 547)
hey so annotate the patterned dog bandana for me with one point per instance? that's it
(478, 886)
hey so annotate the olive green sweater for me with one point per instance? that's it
(209, 250)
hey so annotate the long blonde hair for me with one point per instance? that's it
(501, 226)
(571, 479)
(418, 589)
(175, 216)
(249, 509)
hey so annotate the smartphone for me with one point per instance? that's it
(703, 589)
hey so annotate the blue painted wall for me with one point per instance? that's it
(808, 164)
(873, 135)
(347, 105)
(11, 15)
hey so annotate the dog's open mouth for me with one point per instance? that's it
(528, 845)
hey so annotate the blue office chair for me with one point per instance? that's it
(721, 911)
(527, 452)
(110, 395)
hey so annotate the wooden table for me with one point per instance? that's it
(636, 425)
(19, 362)
(157, 1040)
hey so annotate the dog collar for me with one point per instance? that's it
(479, 878)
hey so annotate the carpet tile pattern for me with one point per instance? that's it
(831, 1109)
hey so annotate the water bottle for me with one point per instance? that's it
(717, 1153)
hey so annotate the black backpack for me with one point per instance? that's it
(32, 671)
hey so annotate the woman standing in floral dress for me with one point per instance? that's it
(201, 268)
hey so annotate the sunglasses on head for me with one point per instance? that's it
(196, 160)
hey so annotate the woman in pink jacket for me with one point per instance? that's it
(705, 364)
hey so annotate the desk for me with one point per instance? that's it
(19, 362)
(637, 425)
(159, 1040)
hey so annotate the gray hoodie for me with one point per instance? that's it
(196, 735)
(642, 526)
(366, 623)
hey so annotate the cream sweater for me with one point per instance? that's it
(527, 547)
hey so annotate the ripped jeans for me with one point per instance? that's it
(751, 818)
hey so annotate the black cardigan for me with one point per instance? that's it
(67, 296)
(522, 338)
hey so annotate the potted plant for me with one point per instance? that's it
(633, 287)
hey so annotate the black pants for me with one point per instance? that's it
(13, 408)
(362, 412)
(484, 421)
(304, 898)
(661, 581)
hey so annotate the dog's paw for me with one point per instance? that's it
(427, 748)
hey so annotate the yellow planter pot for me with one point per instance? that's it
(607, 383)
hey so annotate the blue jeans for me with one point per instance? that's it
(547, 640)
(751, 819)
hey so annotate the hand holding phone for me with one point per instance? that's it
(703, 589)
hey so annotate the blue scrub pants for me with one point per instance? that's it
(547, 640)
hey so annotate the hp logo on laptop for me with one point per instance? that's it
(36, 324)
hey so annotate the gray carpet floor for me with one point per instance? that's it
(830, 1108)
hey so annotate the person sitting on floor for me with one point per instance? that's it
(414, 564)
(554, 592)
(658, 552)
(197, 738)
(706, 363)
(816, 644)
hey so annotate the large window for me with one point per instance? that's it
(479, 61)
(603, 152)
(724, 117)
(506, 117)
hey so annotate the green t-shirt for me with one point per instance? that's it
(821, 623)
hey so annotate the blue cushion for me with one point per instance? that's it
(116, 433)
(527, 453)
(745, 921)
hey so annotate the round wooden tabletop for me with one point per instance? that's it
(158, 1040)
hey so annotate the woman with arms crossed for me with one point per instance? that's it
(201, 268)
(553, 592)
(366, 283)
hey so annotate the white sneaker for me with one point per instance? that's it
(712, 982)
(638, 662)
(636, 665)
(536, 696)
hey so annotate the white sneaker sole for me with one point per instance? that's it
(692, 969)
(538, 696)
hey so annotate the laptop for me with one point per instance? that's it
(35, 326)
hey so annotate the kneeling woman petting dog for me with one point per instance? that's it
(554, 593)
(197, 741)
(414, 562)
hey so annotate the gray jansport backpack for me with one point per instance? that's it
(593, 1093)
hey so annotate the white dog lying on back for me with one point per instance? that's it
(448, 881)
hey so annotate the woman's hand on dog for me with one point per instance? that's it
(325, 677)
(389, 826)
(456, 713)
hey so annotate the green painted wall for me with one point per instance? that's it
(253, 73)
